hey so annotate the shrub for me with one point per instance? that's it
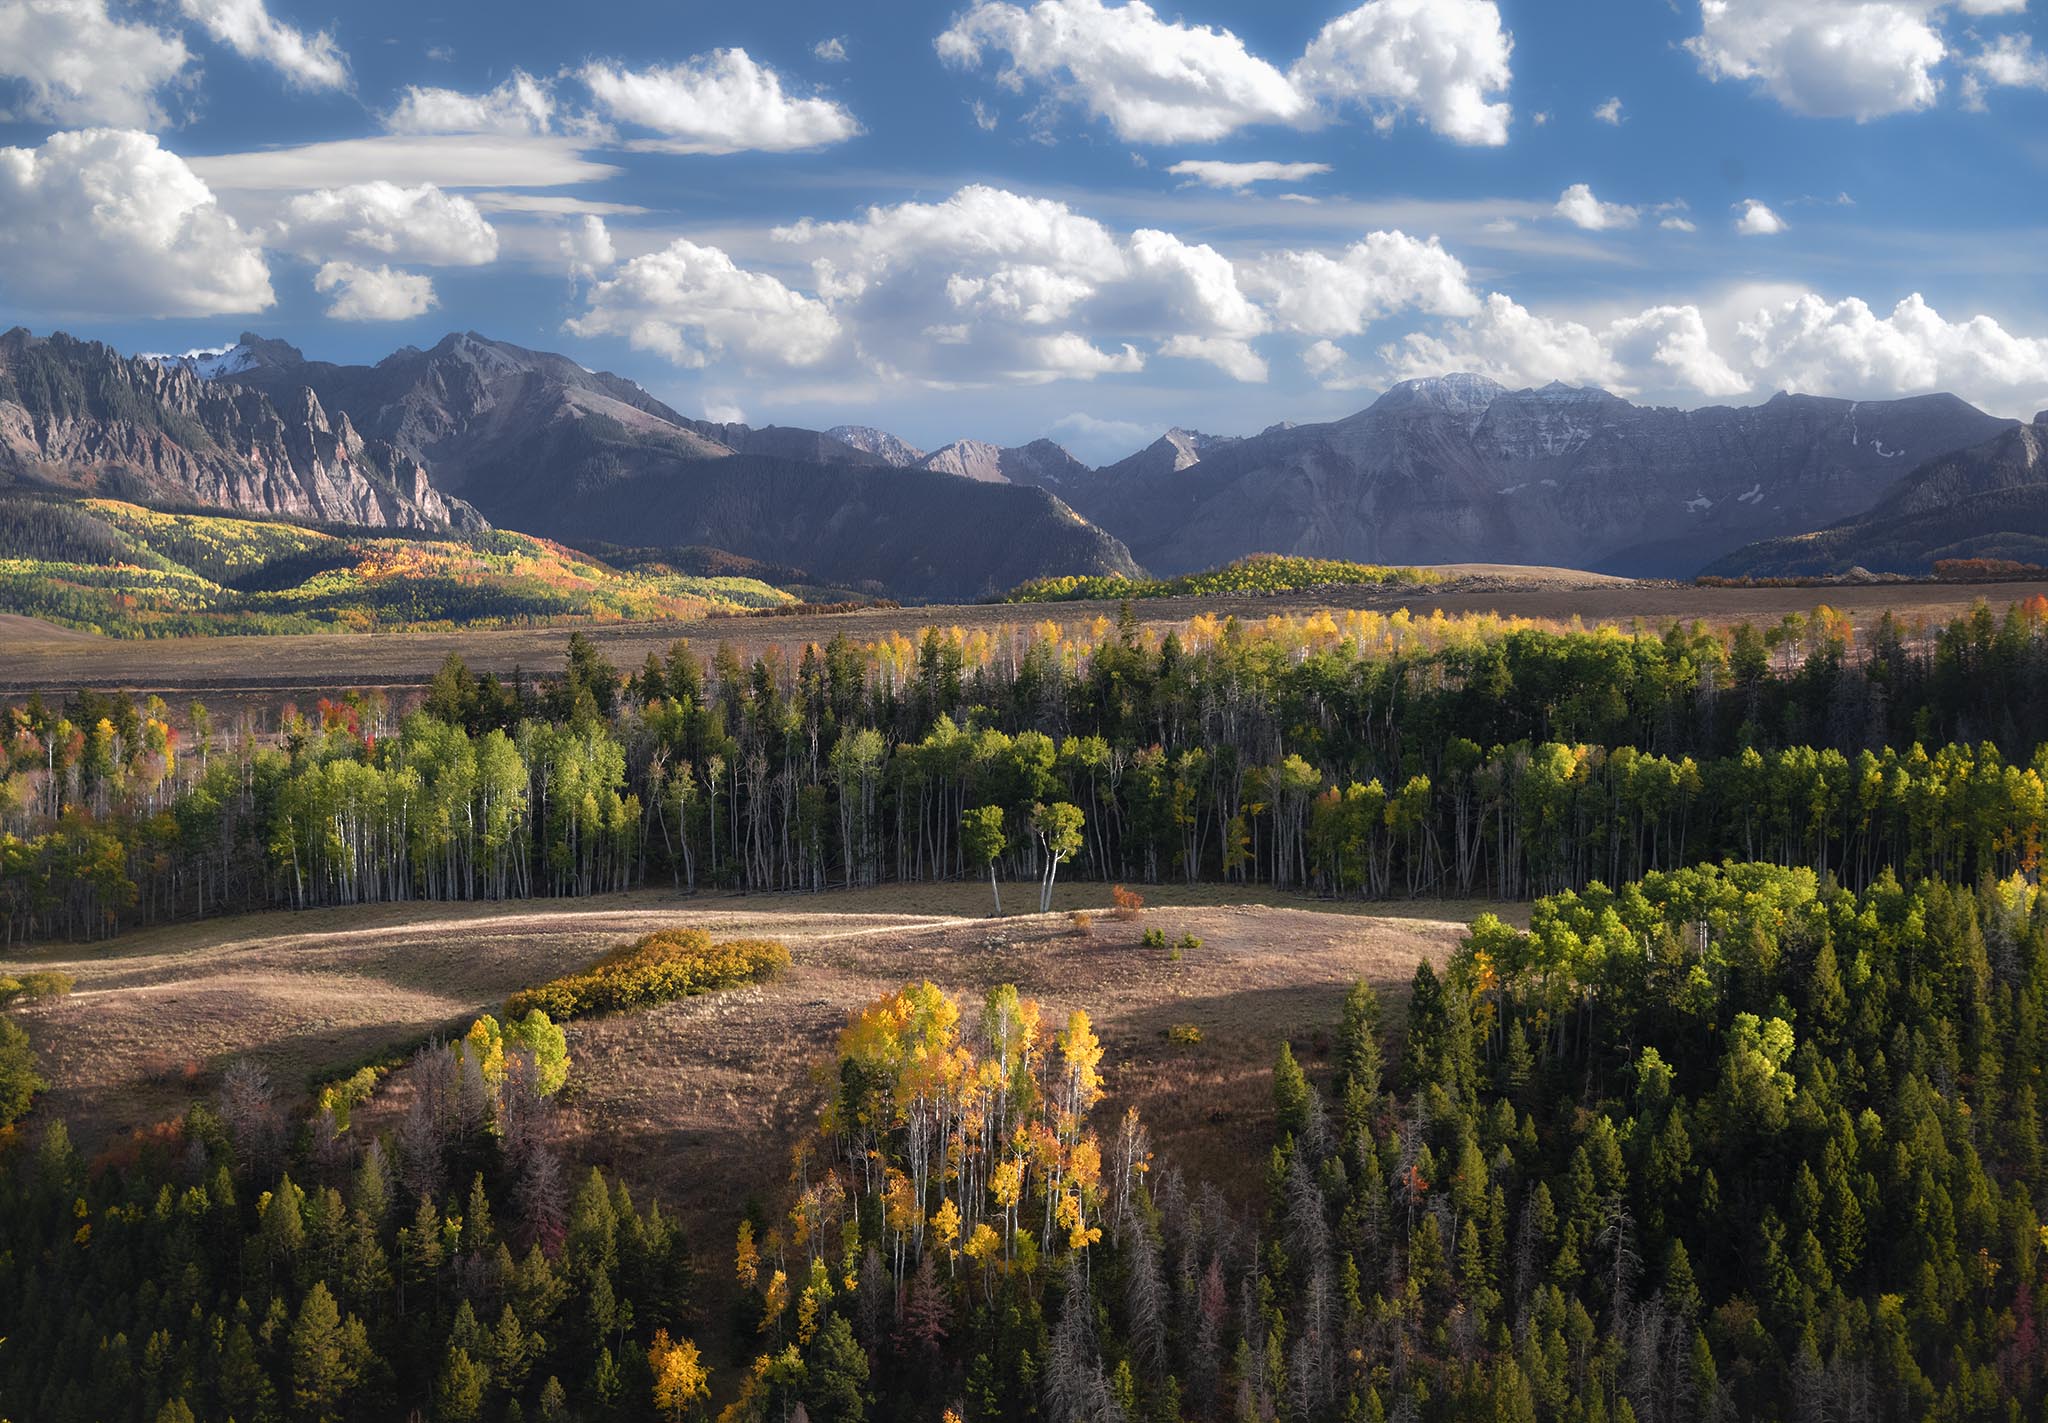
(1186, 944)
(665, 965)
(19, 1081)
(1153, 939)
(535, 1034)
(31, 986)
(345, 1095)
(1184, 1035)
(1129, 903)
(1083, 922)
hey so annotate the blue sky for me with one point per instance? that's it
(954, 220)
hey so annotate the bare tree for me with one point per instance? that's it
(248, 1107)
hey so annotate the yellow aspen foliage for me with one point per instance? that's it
(946, 1225)
(983, 1245)
(747, 1259)
(1008, 1182)
(774, 1301)
(806, 1317)
(1081, 1052)
(1084, 1165)
(901, 1211)
(680, 1378)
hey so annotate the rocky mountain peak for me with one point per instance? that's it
(1459, 393)
(969, 459)
(880, 443)
(178, 430)
(250, 352)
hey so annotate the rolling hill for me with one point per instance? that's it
(128, 571)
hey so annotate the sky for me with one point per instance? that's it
(1072, 218)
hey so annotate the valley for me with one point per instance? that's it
(46, 658)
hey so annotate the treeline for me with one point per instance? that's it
(1724, 1144)
(1373, 755)
(1260, 573)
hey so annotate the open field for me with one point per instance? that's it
(39, 657)
(703, 1098)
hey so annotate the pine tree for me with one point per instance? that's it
(1290, 1092)
(320, 1370)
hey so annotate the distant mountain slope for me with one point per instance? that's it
(1043, 464)
(1171, 453)
(541, 444)
(1990, 501)
(1459, 469)
(880, 443)
(129, 571)
(79, 417)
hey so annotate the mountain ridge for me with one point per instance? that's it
(77, 416)
(542, 444)
(1988, 501)
(1460, 469)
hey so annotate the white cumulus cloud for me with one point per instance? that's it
(1235, 359)
(588, 246)
(1578, 206)
(105, 221)
(73, 63)
(1507, 342)
(2006, 61)
(1156, 80)
(1857, 59)
(1609, 112)
(1756, 220)
(520, 105)
(1386, 272)
(1213, 173)
(1811, 344)
(1670, 346)
(831, 51)
(722, 102)
(691, 304)
(1153, 80)
(381, 219)
(1661, 347)
(992, 285)
(312, 61)
(373, 293)
(1443, 60)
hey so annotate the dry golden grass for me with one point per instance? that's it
(703, 1098)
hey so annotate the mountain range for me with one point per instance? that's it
(1989, 501)
(79, 417)
(1452, 469)
(538, 443)
(1459, 469)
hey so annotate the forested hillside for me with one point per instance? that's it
(129, 571)
(1727, 1143)
(1383, 756)
(1746, 1124)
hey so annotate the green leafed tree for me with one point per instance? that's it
(983, 839)
(1058, 828)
